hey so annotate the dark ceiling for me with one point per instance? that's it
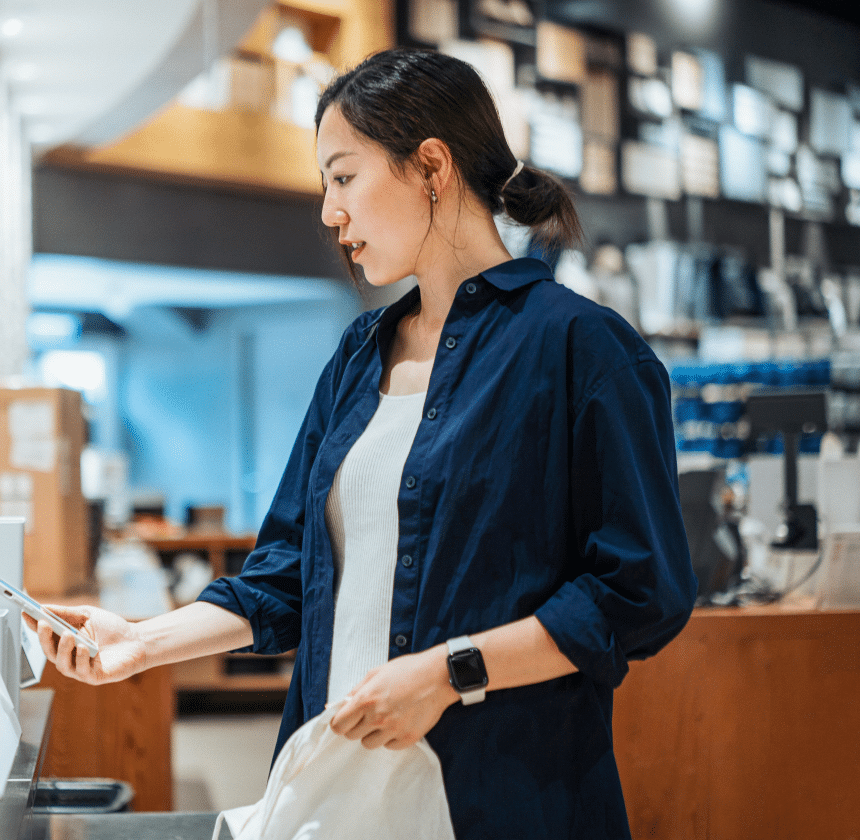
(843, 10)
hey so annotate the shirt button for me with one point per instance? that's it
(451, 342)
(471, 288)
(400, 640)
(431, 414)
(410, 482)
(406, 560)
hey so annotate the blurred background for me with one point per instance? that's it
(168, 297)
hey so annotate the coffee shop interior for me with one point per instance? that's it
(169, 296)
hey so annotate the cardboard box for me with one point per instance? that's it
(560, 53)
(42, 434)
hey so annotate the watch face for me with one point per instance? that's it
(467, 670)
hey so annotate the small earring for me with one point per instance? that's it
(433, 197)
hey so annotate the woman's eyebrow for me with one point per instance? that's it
(335, 157)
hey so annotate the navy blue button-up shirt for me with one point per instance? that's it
(541, 481)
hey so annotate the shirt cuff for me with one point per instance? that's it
(576, 624)
(234, 595)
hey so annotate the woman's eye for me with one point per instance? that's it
(342, 179)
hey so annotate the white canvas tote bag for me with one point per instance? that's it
(323, 786)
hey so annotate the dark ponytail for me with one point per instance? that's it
(399, 98)
(540, 201)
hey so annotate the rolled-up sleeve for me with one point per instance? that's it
(633, 587)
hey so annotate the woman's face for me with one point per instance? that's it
(383, 215)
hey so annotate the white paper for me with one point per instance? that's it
(33, 654)
(18, 510)
(31, 419)
(10, 735)
(33, 454)
(31, 430)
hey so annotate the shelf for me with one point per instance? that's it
(203, 541)
(235, 149)
(225, 553)
(209, 674)
(485, 27)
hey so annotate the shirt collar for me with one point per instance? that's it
(507, 276)
(514, 274)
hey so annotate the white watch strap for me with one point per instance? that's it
(458, 644)
(476, 695)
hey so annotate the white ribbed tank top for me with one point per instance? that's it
(363, 524)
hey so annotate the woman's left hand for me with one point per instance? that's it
(398, 704)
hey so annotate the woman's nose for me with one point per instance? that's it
(333, 216)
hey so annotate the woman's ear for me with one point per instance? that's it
(435, 163)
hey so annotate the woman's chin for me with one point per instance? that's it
(379, 280)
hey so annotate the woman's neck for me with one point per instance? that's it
(457, 249)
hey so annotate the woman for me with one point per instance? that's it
(481, 505)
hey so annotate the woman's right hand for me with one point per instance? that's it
(121, 650)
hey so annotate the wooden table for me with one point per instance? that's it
(746, 727)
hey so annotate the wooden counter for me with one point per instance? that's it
(746, 727)
(116, 731)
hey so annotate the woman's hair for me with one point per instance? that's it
(399, 98)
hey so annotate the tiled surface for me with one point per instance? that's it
(221, 762)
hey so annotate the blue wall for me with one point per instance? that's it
(210, 416)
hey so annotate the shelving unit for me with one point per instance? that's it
(224, 672)
(241, 144)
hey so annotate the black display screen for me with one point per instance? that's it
(467, 670)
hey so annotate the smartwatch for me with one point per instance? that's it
(468, 675)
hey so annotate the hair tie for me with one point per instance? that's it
(514, 175)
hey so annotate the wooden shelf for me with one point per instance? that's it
(213, 673)
(239, 149)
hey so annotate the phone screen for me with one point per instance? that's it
(32, 607)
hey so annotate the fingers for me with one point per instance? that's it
(401, 743)
(352, 725)
(47, 640)
(71, 660)
(374, 730)
(83, 664)
(375, 739)
(356, 719)
(347, 716)
(65, 657)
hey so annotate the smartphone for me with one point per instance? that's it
(35, 610)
